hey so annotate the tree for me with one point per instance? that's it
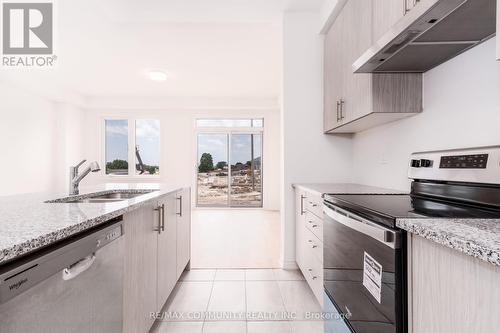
(151, 169)
(117, 165)
(206, 163)
(221, 165)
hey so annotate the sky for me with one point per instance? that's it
(147, 139)
(217, 146)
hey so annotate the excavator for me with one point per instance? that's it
(140, 165)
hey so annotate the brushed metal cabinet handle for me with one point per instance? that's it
(342, 103)
(338, 108)
(163, 217)
(312, 244)
(180, 206)
(312, 224)
(311, 274)
(302, 197)
(158, 209)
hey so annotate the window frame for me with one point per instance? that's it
(234, 128)
(131, 147)
(229, 131)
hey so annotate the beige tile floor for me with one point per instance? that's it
(254, 301)
(235, 238)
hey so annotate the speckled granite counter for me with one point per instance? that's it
(479, 238)
(345, 188)
(27, 223)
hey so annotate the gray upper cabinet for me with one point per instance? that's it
(357, 37)
(355, 102)
(409, 5)
(385, 14)
(333, 83)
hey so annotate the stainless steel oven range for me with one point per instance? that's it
(365, 259)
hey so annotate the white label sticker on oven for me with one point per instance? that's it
(372, 276)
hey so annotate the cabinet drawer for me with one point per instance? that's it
(312, 245)
(314, 204)
(315, 224)
(312, 269)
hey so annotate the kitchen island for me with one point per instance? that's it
(29, 223)
(154, 219)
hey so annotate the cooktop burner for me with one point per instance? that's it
(386, 208)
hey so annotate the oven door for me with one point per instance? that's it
(365, 272)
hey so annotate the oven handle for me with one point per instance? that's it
(386, 236)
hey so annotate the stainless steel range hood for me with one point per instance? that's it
(430, 34)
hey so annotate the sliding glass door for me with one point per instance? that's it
(229, 169)
(246, 170)
(212, 179)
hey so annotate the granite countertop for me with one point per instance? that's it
(28, 223)
(345, 188)
(479, 238)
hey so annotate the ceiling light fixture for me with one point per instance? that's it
(157, 76)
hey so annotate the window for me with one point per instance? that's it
(116, 147)
(229, 162)
(235, 123)
(147, 147)
(135, 140)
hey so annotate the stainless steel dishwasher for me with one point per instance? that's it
(74, 286)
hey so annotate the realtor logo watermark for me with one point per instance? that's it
(28, 34)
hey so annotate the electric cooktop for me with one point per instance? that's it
(386, 208)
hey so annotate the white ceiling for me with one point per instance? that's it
(201, 10)
(208, 48)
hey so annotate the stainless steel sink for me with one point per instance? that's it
(117, 196)
(101, 198)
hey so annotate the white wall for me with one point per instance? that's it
(462, 109)
(308, 154)
(178, 137)
(72, 138)
(33, 130)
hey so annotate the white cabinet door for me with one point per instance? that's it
(183, 230)
(167, 248)
(300, 216)
(140, 276)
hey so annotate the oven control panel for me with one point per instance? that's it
(477, 161)
(471, 165)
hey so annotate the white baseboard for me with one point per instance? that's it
(289, 264)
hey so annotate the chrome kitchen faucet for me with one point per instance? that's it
(75, 178)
